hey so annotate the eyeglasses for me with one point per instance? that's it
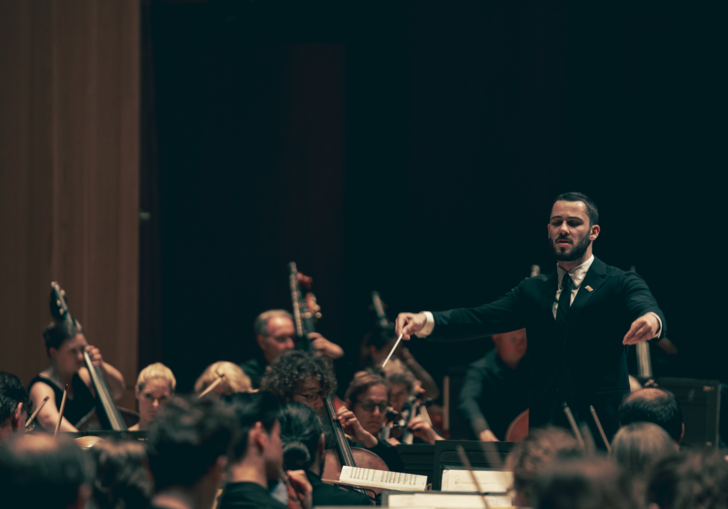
(369, 406)
(313, 396)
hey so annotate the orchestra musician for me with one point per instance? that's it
(275, 333)
(233, 379)
(579, 321)
(14, 405)
(154, 388)
(65, 345)
(495, 389)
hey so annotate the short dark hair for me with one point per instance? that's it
(292, 369)
(539, 448)
(657, 406)
(122, 476)
(300, 434)
(57, 332)
(12, 393)
(186, 439)
(582, 483)
(689, 480)
(407, 379)
(361, 383)
(40, 471)
(249, 408)
(591, 207)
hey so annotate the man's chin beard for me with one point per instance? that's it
(576, 253)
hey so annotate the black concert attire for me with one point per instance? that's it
(328, 494)
(255, 369)
(247, 495)
(494, 394)
(386, 451)
(78, 406)
(576, 358)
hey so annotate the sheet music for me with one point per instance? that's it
(439, 500)
(382, 479)
(491, 481)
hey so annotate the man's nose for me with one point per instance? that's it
(155, 403)
(289, 344)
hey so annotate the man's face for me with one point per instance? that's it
(371, 408)
(570, 235)
(310, 394)
(273, 453)
(69, 355)
(281, 332)
(152, 397)
(398, 396)
(511, 346)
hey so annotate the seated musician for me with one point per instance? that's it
(375, 349)
(308, 379)
(155, 386)
(14, 405)
(257, 461)
(189, 446)
(234, 379)
(495, 390)
(275, 333)
(65, 346)
(403, 389)
(304, 449)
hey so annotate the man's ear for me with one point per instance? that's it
(257, 437)
(594, 232)
(52, 352)
(17, 420)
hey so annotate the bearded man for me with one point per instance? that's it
(580, 320)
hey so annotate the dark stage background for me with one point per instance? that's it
(415, 148)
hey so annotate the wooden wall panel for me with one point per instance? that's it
(69, 175)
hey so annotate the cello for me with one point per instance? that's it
(108, 413)
(305, 311)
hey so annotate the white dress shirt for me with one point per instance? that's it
(577, 275)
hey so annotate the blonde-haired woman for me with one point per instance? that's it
(155, 386)
(235, 380)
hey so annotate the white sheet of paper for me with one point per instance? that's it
(438, 500)
(491, 481)
(383, 479)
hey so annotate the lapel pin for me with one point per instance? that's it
(589, 288)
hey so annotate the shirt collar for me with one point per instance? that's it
(577, 274)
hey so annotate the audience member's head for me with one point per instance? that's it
(653, 405)
(189, 445)
(275, 333)
(637, 448)
(235, 380)
(368, 397)
(154, 388)
(539, 448)
(259, 441)
(122, 477)
(300, 376)
(14, 405)
(690, 480)
(40, 471)
(582, 483)
(302, 438)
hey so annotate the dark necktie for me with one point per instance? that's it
(564, 303)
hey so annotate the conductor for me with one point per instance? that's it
(580, 320)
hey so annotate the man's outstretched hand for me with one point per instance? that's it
(642, 329)
(408, 324)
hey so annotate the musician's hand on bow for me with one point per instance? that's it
(422, 429)
(324, 347)
(487, 436)
(95, 355)
(642, 329)
(409, 324)
(300, 490)
(353, 427)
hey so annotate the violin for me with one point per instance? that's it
(305, 311)
(106, 409)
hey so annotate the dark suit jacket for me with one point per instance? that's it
(585, 366)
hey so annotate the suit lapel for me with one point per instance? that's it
(595, 277)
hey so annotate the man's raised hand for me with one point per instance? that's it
(408, 324)
(642, 329)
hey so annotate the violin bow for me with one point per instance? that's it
(60, 413)
(35, 413)
(212, 385)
